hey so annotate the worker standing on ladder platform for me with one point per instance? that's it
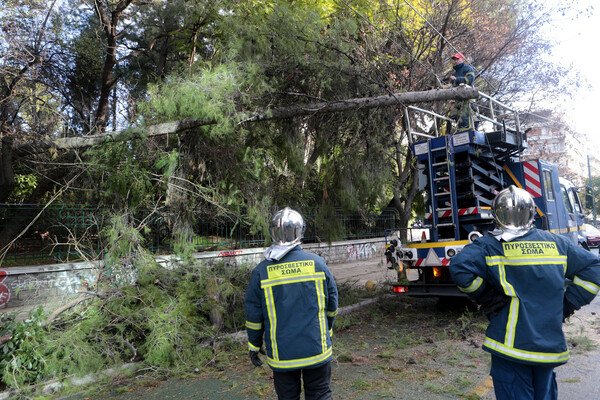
(463, 74)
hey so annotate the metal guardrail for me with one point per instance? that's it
(494, 106)
(498, 114)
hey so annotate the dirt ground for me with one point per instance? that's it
(395, 348)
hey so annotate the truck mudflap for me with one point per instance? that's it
(427, 290)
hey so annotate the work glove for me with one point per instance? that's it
(255, 358)
(492, 301)
(568, 309)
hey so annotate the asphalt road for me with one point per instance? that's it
(578, 379)
(360, 271)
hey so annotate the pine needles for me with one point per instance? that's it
(167, 319)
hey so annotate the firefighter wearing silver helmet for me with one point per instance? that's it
(514, 212)
(287, 230)
(518, 274)
(291, 305)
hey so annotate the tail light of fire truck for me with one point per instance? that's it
(400, 289)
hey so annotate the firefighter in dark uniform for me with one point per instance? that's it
(529, 281)
(291, 304)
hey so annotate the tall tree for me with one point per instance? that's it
(25, 43)
(206, 59)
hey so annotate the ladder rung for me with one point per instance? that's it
(445, 209)
(443, 178)
(443, 194)
(439, 163)
(448, 224)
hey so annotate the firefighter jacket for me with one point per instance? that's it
(292, 303)
(537, 271)
(464, 74)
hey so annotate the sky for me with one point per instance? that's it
(579, 44)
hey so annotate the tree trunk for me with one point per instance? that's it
(178, 194)
(7, 177)
(176, 127)
(110, 20)
(162, 59)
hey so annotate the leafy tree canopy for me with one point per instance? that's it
(121, 64)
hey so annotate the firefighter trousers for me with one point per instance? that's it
(515, 381)
(317, 383)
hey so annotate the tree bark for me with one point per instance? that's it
(110, 20)
(7, 177)
(176, 127)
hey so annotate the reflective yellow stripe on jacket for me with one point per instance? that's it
(295, 272)
(587, 285)
(549, 358)
(527, 253)
(322, 317)
(473, 286)
(299, 363)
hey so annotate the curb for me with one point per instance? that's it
(50, 387)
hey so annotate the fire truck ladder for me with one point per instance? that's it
(442, 190)
(464, 179)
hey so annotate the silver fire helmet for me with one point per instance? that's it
(514, 210)
(287, 227)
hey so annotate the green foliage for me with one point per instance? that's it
(331, 228)
(82, 345)
(166, 319)
(25, 184)
(163, 321)
(171, 340)
(126, 253)
(259, 212)
(22, 357)
(168, 163)
(208, 95)
(123, 171)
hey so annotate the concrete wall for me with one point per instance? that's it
(24, 288)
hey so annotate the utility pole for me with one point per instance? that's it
(591, 189)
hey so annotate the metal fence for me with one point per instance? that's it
(38, 234)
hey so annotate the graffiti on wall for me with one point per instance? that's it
(4, 291)
(19, 288)
(64, 281)
(229, 253)
(121, 273)
(361, 251)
